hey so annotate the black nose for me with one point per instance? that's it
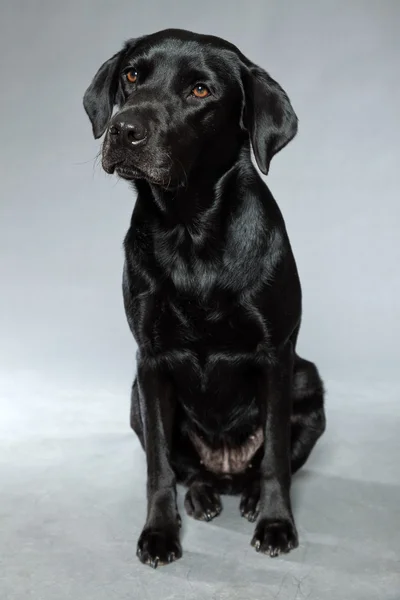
(129, 131)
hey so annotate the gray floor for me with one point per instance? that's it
(72, 505)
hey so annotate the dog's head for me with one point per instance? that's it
(182, 96)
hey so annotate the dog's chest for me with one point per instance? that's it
(203, 326)
(200, 304)
(208, 335)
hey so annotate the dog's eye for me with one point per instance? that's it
(200, 91)
(132, 76)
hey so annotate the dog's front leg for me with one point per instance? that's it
(275, 530)
(159, 541)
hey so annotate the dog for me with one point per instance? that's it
(221, 402)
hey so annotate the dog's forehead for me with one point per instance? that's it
(182, 38)
(185, 50)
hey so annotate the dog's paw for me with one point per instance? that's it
(249, 504)
(159, 546)
(274, 537)
(202, 502)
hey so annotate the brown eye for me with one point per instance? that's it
(132, 76)
(201, 91)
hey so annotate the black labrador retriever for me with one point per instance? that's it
(221, 402)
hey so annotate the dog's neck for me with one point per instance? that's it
(198, 201)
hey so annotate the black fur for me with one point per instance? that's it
(210, 285)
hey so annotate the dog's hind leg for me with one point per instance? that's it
(308, 415)
(135, 414)
(202, 499)
(307, 425)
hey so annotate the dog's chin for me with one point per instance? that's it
(133, 173)
(130, 174)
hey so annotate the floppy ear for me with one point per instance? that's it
(269, 116)
(101, 95)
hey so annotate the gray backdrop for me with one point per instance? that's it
(67, 356)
